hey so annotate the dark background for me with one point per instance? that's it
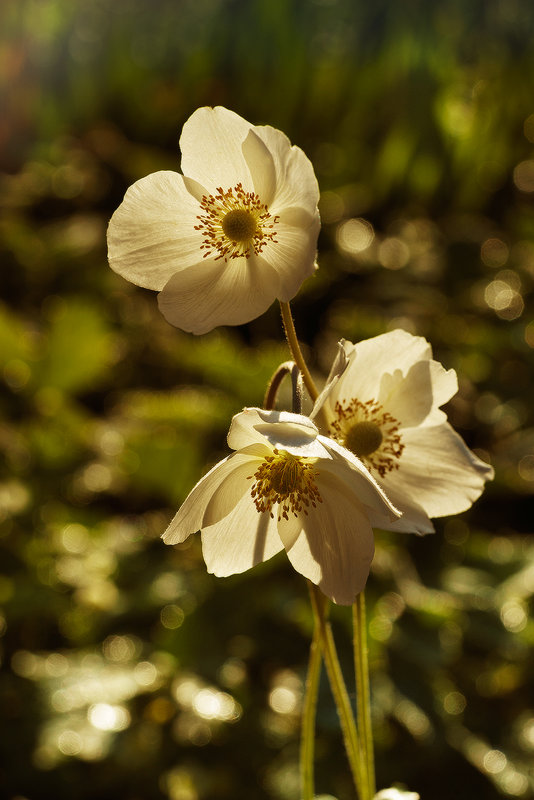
(128, 672)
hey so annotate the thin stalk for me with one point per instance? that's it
(361, 664)
(287, 368)
(296, 352)
(341, 697)
(307, 741)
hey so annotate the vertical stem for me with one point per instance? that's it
(296, 352)
(335, 676)
(307, 742)
(361, 663)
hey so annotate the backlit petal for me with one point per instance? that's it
(215, 293)
(261, 166)
(151, 235)
(211, 144)
(296, 184)
(371, 358)
(241, 540)
(293, 256)
(414, 398)
(439, 471)
(357, 481)
(191, 515)
(335, 546)
(275, 428)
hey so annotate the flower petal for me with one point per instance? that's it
(349, 471)
(414, 518)
(151, 235)
(414, 398)
(438, 471)
(293, 255)
(261, 166)
(295, 429)
(335, 546)
(215, 293)
(211, 145)
(241, 540)
(234, 486)
(371, 358)
(296, 184)
(191, 515)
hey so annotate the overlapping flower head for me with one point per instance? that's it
(220, 242)
(382, 401)
(286, 487)
(237, 230)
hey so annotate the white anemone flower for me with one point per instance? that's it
(382, 401)
(236, 231)
(286, 487)
(396, 794)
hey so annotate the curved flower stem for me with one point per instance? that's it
(361, 665)
(307, 741)
(287, 368)
(335, 676)
(296, 352)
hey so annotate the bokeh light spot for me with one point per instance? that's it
(355, 235)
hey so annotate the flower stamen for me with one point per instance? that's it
(288, 481)
(369, 432)
(235, 223)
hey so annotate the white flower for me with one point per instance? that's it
(395, 794)
(236, 231)
(286, 486)
(382, 401)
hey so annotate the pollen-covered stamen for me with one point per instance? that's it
(287, 481)
(235, 223)
(369, 432)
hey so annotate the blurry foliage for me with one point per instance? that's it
(127, 671)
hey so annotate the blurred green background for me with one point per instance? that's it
(128, 672)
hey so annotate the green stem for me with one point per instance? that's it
(335, 676)
(307, 742)
(361, 663)
(296, 352)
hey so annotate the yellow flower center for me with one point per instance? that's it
(234, 223)
(369, 432)
(363, 438)
(239, 225)
(288, 481)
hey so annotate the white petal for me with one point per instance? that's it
(151, 235)
(211, 145)
(438, 471)
(335, 547)
(371, 358)
(296, 184)
(216, 293)
(241, 540)
(234, 486)
(244, 428)
(190, 516)
(261, 166)
(349, 472)
(414, 398)
(293, 254)
(322, 405)
(414, 518)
